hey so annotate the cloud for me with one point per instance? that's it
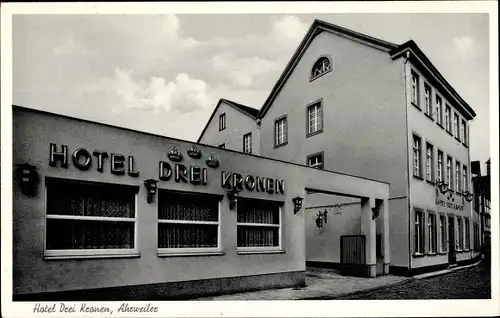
(182, 95)
(465, 46)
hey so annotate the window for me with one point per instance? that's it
(476, 237)
(432, 233)
(247, 143)
(428, 100)
(465, 184)
(280, 131)
(416, 156)
(455, 126)
(440, 166)
(222, 146)
(429, 162)
(419, 232)
(314, 119)
(449, 168)
(188, 223)
(463, 131)
(90, 219)
(460, 234)
(442, 231)
(438, 110)
(222, 122)
(447, 118)
(258, 225)
(457, 177)
(414, 89)
(467, 234)
(322, 66)
(315, 161)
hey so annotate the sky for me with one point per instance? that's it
(165, 73)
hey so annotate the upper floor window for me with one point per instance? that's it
(414, 89)
(439, 110)
(463, 131)
(247, 143)
(465, 184)
(457, 177)
(440, 166)
(429, 162)
(315, 161)
(428, 100)
(280, 131)
(449, 170)
(416, 156)
(447, 118)
(90, 219)
(314, 119)
(222, 122)
(455, 126)
(322, 66)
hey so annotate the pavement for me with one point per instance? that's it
(329, 284)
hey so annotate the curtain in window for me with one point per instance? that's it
(264, 213)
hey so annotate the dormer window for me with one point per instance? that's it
(322, 66)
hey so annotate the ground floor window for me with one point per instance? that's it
(258, 225)
(419, 232)
(460, 234)
(467, 234)
(432, 233)
(443, 233)
(188, 223)
(476, 237)
(89, 219)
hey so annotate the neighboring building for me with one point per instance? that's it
(482, 203)
(107, 213)
(355, 104)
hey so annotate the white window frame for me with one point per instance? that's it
(315, 118)
(319, 70)
(440, 165)
(456, 122)
(447, 118)
(428, 99)
(432, 232)
(280, 125)
(415, 88)
(460, 228)
(247, 143)
(458, 177)
(465, 183)
(463, 131)
(429, 173)
(449, 171)
(222, 121)
(162, 252)
(419, 229)
(438, 110)
(263, 249)
(89, 253)
(316, 165)
(417, 148)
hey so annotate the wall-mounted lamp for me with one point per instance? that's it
(28, 179)
(232, 194)
(297, 204)
(151, 188)
(321, 217)
(442, 186)
(468, 196)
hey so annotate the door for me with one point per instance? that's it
(452, 256)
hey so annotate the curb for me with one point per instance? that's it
(447, 271)
(410, 279)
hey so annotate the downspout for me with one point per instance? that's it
(407, 57)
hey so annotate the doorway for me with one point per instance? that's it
(452, 256)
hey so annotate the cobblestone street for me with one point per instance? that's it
(473, 283)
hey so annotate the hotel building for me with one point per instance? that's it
(358, 105)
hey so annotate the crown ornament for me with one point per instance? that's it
(174, 155)
(212, 161)
(194, 152)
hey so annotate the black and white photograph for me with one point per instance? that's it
(184, 159)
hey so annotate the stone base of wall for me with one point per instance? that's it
(174, 290)
(405, 271)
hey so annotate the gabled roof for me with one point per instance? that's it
(395, 51)
(246, 110)
(421, 58)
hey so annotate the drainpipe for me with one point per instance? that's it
(407, 57)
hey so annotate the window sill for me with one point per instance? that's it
(418, 255)
(440, 125)
(189, 254)
(458, 139)
(314, 133)
(431, 254)
(465, 145)
(418, 107)
(61, 255)
(449, 132)
(431, 182)
(418, 177)
(318, 76)
(256, 251)
(281, 145)
(443, 253)
(428, 116)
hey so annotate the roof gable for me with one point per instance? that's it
(246, 110)
(316, 28)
